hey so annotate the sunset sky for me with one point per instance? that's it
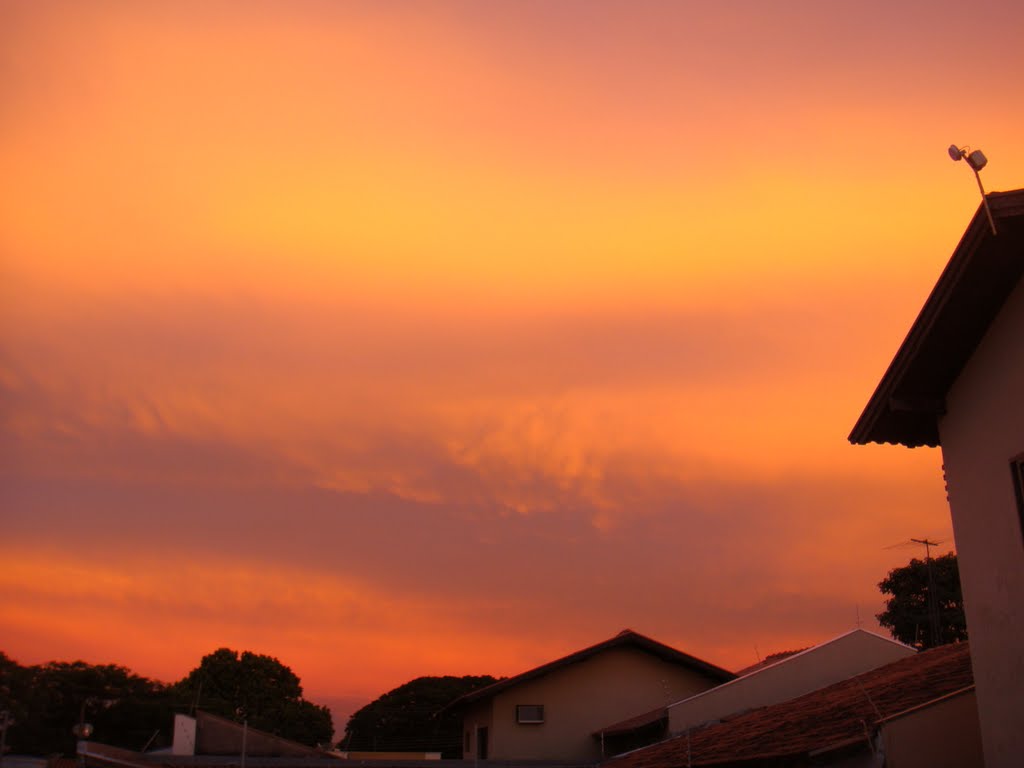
(395, 339)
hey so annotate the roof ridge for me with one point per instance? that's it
(626, 637)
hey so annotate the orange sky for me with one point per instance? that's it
(449, 337)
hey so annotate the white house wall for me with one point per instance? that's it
(839, 659)
(184, 735)
(982, 431)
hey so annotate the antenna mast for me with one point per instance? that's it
(933, 601)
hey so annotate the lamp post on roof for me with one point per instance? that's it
(976, 160)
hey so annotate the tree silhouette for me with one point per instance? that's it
(46, 701)
(260, 689)
(409, 718)
(908, 614)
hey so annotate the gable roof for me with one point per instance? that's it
(980, 275)
(834, 717)
(627, 638)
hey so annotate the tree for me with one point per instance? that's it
(47, 700)
(409, 718)
(259, 689)
(925, 593)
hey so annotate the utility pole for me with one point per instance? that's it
(933, 601)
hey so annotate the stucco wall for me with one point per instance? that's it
(942, 735)
(839, 659)
(580, 699)
(982, 431)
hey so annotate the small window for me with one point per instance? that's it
(1017, 468)
(529, 713)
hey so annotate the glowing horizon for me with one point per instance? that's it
(456, 338)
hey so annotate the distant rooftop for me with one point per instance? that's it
(627, 638)
(768, 660)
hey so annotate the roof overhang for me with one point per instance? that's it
(984, 269)
(656, 718)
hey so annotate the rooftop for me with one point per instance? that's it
(627, 638)
(830, 718)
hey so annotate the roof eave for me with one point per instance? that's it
(906, 406)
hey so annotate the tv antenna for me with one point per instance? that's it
(927, 546)
(907, 543)
(976, 160)
(933, 598)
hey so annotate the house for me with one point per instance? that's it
(553, 711)
(788, 676)
(957, 382)
(872, 719)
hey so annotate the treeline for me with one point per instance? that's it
(45, 702)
